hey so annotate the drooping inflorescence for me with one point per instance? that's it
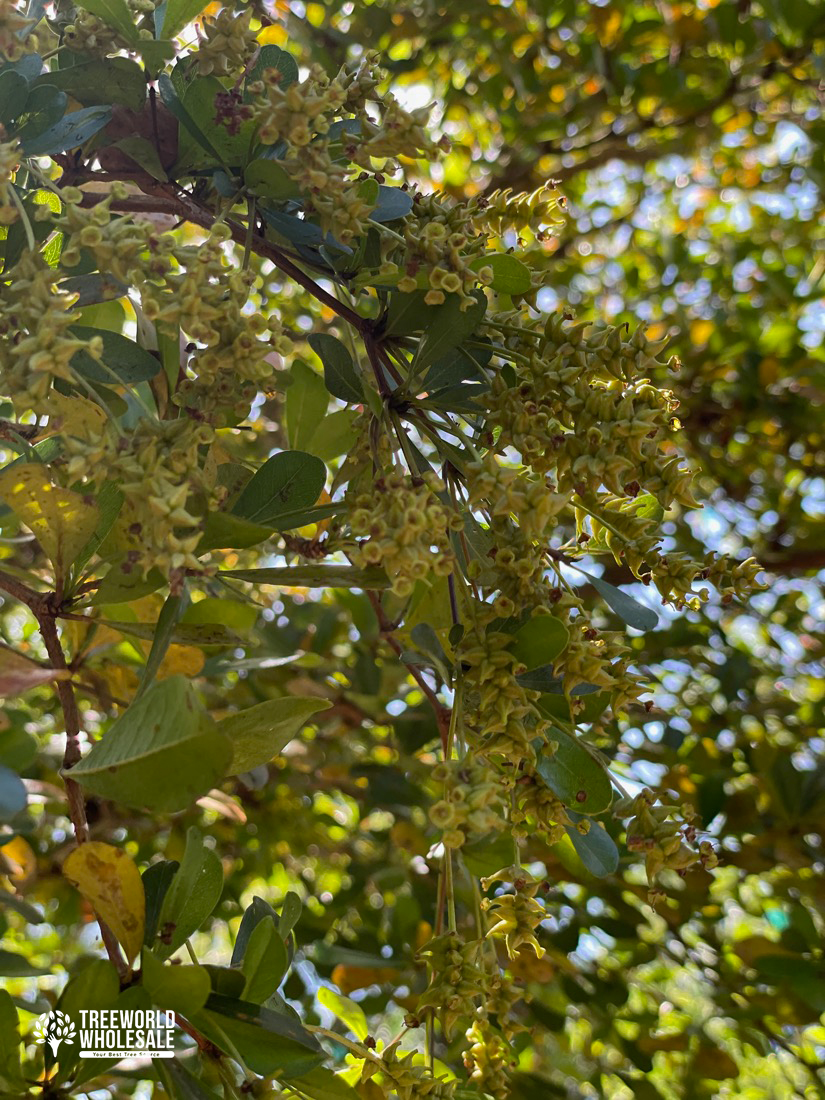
(492, 455)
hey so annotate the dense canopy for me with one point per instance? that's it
(411, 523)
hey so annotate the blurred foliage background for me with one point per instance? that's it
(688, 140)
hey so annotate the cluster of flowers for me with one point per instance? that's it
(325, 126)
(158, 463)
(574, 431)
(226, 44)
(90, 34)
(473, 800)
(408, 529)
(666, 841)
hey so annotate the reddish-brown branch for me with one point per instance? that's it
(19, 591)
(164, 198)
(74, 793)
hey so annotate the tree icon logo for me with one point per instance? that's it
(54, 1028)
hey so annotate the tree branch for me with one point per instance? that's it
(74, 793)
(159, 198)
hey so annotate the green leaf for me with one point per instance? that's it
(144, 154)
(179, 14)
(17, 966)
(556, 705)
(223, 531)
(314, 576)
(268, 179)
(156, 882)
(172, 101)
(94, 288)
(291, 910)
(323, 1084)
(119, 586)
(22, 908)
(177, 1081)
(333, 436)
(170, 613)
(73, 130)
(596, 849)
(427, 641)
(225, 980)
(126, 361)
(184, 989)
(287, 481)
(132, 999)
(544, 679)
(273, 57)
(458, 365)
(488, 854)
(14, 90)
(407, 313)
(539, 641)
(296, 230)
(13, 796)
(803, 976)
(200, 102)
(340, 373)
(255, 912)
(449, 326)
(115, 80)
(574, 776)
(631, 611)
(229, 612)
(191, 898)
(345, 1010)
(268, 1042)
(155, 54)
(306, 404)
(45, 107)
(264, 963)
(393, 203)
(510, 276)
(202, 634)
(300, 517)
(258, 733)
(11, 1074)
(96, 986)
(163, 752)
(115, 14)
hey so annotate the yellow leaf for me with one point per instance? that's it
(275, 35)
(20, 860)
(75, 416)
(62, 521)
(701, 332)
(18, 674)
(180, 660)
(109, 880)
(349, 978)
(608, 22)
